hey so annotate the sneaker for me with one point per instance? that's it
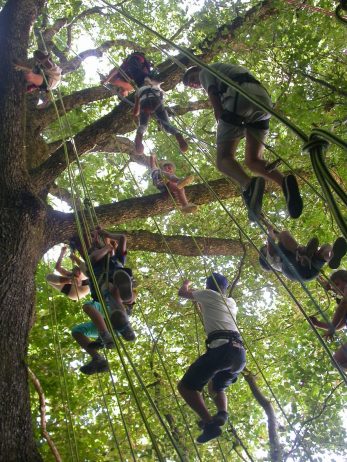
(185, 182)
(220, 418)
(122, 280)
(339, 251)
(211, 431)
(107, 340)
(97, 364)
(189, 208)
(181, 142)
(253, 197)
(138, 144)
(121, 325)
(292, 195)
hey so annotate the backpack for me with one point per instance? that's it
(137, 67)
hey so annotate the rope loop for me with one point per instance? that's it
(314, 142)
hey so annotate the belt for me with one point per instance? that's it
(230, 335)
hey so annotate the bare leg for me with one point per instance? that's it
(287, 240)
(195, 400)
(83, 342)
(341, 356)
(178, 194)
(254, 157)
(219, 397)
(96, 318)
(227, 164)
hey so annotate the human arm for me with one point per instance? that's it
(121, 238)
(339, 319)
(185, 291)
(136, 110)
(214, 97)
(58, 266)
(153, 162)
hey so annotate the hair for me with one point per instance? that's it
(150, 104)
(188, 73)
(163, 163)
(217, 282)
(262, 259)
(339, 275)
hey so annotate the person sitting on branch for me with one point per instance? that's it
(339, 321)
(149, 101)
(74, 284)
(164, 179)
(45, 76)
(296, 261)
(134, 69)
(224, 359)
(237, 117)
(115, 284)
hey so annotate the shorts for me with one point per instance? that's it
(305, 272)
(89, 328)
(254, 118)
(222, 364)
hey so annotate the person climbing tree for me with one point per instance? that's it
(149, 101)
(339, 321)
(296, 261)
(45, 76)
(237, 117)
(224, 359)
(74, 284)
(164, 179)
(115, 283)
(133, 69)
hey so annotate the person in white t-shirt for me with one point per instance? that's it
(224, 359)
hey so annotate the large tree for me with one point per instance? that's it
(294, 59)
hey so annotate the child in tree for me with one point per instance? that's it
(134, 68)
(339, 281)
(224, 359)
(115, 283)
(74, 284)
(164, 179)
(307, 260)
(149, 101)
(45, 76)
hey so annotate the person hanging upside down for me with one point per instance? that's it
(149, 101)
(296, 261)
(74, 284)
(45, 76)
(237, 118)
(224, 359)
(115, 283)
(339, 321)
(164, 179)
(133, 69)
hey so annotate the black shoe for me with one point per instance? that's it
(292, 195)
(94, 366)
(220, 418)
(211, 431)
(253, 197)
(122, 280)
(339, 251)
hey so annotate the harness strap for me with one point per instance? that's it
(224, 334)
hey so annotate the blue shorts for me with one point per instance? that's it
(222, 364)
(89, 328)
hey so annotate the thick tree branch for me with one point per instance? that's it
(324, 83)
(275, 446)
(61, 226)
(182, 245)
(35, 381)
